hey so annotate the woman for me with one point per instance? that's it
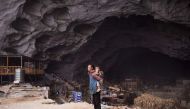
(93, 79)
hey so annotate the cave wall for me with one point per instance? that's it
(49, 29)
(68, 34)
(139, 40)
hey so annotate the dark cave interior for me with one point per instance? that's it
(141, 62)
(131, 47)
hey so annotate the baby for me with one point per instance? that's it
(100, 74)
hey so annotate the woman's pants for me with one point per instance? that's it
(96, 100)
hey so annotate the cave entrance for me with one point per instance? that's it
(140, 46)
(127, 49)
(132, 47)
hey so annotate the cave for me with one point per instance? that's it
(147, 41)
(137, 46)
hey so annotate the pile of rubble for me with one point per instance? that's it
(147, 101)
(116, 96)
(113, 96)
(118, 107)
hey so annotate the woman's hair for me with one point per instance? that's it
(93, 67)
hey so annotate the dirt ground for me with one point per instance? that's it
(26, 96)
(50, 104)
(44, 104)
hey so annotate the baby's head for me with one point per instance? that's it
(97, 69)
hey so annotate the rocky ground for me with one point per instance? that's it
(50, 104)
(31, 97)
(44, 104)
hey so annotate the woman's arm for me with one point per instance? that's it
(98, 78)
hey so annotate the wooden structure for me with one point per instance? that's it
(29, 66)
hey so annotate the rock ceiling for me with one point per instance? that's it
(51, 29)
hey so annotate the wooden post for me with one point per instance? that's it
(38, 67)
(8, 69)
(28, 67)
(1, 79)
(21, 62)
(33, 69)
(7, 63)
